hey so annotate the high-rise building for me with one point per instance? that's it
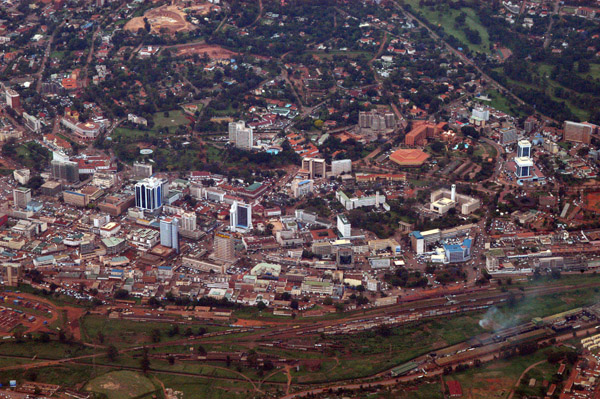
(224, 247)
(240, 217)
(13, 100)
(240, 135)
(301, 187)
(65, 170)
(233, 128)
(344, 226)
(579, 132)
(188, 221)
(21, 197)
(376, 120)
(317, 168)
(524, 149)
(169, 233)
(32, 123)
(22, 176)
(341, 166)
(142, 170)
(508, 136)
(150, 193)
(524, 167)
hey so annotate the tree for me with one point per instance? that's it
(121, 294)
(145, 361)
(171, 359)
(44, 337)
(294, 304)
(155, 336)
(35, 182)
(261, 305)
(112, 353)
(201, 351)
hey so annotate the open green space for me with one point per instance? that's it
(496, 379)
(446, 18)
(121, 385)
(65, 375)
(46, 350)
(195, 387)
(175, 118)
(503, 103)
(124, 333)
(594, 72)
(57, 54)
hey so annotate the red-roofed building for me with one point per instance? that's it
(407, 157)
(454, 389)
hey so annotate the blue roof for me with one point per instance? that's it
(416, 234)
(164, 268)
(458, 248)
(74, 192)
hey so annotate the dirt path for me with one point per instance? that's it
(381, 48)
(512, 392)
(260, 14)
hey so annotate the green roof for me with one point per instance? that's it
(112, 241)
(254, 186)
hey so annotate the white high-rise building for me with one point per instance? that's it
(240, 217)
(344, 226)
(150, 193)
(341, 166)
(169, 233)
(240, 135)
(523, 149)
(188, 221)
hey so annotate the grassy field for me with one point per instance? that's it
(496, 379)
(544, 70)
(446, 19)
(121, 385)
(50, 350)
(64, 375)
(594, 72)
(484, 148)
(502, 103)
(125, 332)
(194, 387)
(175, 118)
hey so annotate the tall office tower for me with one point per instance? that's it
(149, 193)
(21, 197)
(224, 247)
(240, 217)
(13, 99)
(233, 127)
(523, 149)
(316, 167)
(169, 233)
(240, 135)
(65, 170)
(142, 170)
(188, 221)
